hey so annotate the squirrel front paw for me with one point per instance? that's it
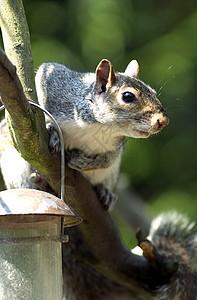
(54, 141)
(106, 197)
(77, 160)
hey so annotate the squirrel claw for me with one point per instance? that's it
(54, 141)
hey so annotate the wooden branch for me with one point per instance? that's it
(110, 256)
(27, 125)
(29, 137)
(17, 44)
(27, 128)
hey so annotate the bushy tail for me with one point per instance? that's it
(174, 247)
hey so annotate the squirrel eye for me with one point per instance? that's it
(128, 97)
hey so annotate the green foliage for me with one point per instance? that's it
(161, 35)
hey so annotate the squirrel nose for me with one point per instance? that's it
(159, 121)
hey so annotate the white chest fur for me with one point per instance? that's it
(90, 138)
(94, 139)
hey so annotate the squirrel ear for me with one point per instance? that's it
(105, 75)
(132, 69)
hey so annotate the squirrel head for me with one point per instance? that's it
(123, 99)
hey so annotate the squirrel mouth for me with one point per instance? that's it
(143, 134)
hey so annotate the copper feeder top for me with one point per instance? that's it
(35, 202)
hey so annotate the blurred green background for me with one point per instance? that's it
(162, 36)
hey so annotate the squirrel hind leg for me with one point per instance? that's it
(105, 196)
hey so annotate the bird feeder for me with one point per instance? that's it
(31, 232)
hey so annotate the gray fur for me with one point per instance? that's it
(174, 237)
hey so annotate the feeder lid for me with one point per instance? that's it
(35, 202)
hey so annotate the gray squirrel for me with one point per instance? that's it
(96, 111)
